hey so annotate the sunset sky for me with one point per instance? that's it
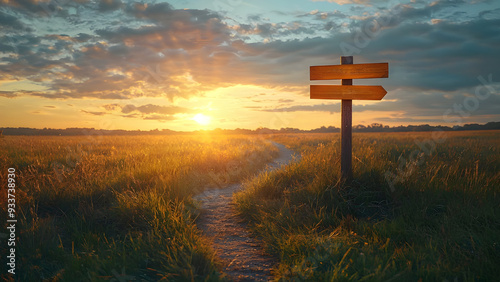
(192, 64)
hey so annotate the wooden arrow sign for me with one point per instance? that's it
(347, 71)
(347, 92)
(377, 70)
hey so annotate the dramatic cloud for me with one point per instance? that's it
(120, 50)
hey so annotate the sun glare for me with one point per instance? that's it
(202, 119)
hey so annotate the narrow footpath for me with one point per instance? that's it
(242, 255)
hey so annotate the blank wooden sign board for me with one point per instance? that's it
(347, 71)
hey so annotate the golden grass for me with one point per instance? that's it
(90, 207)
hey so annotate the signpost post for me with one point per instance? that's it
(347, 71)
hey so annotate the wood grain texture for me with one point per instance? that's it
(346, 126)
(377, 70)
(346, 140)
(347, 71)
(350, 92)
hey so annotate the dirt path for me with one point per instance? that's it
(242, 254)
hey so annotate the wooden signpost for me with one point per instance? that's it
(347, 71)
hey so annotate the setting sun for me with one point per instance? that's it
(202, 119)
(257, 140)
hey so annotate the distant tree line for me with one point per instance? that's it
(374, 127)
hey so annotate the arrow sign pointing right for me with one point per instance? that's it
(347, 92)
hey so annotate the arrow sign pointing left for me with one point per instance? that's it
(347, 92)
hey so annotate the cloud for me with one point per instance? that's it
(131, 116)
(343, 2)
(422, 55)
(109, 5)
(8, 94)
(160, 51)
(415, 104)
(162, 59)
(94, 113)
(160, 117)
(332, 108)
(147, 112)
(490, 14)
(443, 56)
(270, 30)
(29, 6)
(11, 23)
(150, 109)
(111, 107)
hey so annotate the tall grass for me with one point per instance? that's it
(101, 208)
(440, 223)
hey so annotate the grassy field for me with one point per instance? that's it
(422, 207)
(118, 208)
